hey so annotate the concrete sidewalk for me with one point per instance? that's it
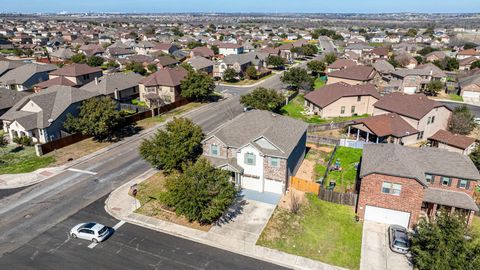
(122, 206)
(8, 181)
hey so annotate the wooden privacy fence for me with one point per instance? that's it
(304, 185)
(329, 126)
(337, 197)
(322, 140)
(62, 142)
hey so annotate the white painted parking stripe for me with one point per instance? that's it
(118, 225)
(82, 171)
(92, 245)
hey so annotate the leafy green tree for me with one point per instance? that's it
(177, 32)
(475, 65)
(420, 59)
(3, 142)
(17, 52)
(309, 49)
(426, 51)
(469, 45)
(194, 44)
(152, 67)
(98, 117)
(275, 61)
(136, 67)
(230, 74)
(251, 72)
(475, 157)
(316, 67)
(441, 244)
(298, 78)
(197, 86)
(462, 120)
(95, 61)
(433, 88)
(263, 99)
(215, 49)
(173, 147)
(393, 61)
(330, 58)
(78, 58)
(411, 32)
(201, 193)
(112, 64)
(23, 141)
(298, 51)
(448, 64)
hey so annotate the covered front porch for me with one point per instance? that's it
(360, 132)
(437, 201)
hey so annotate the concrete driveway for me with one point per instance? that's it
(376, 253)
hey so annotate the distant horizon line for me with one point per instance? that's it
(232, 12)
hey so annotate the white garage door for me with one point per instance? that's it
(471, 94)
(387, 216)
(252, 183)
(273, 186)
(409, 90)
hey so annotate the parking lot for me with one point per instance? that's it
(130, 247)
(376, 253)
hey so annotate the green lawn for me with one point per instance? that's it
(348, 157)
(22, 160)
(321, 231)
(318, 83)
(137, 102)
(455, 97)
(295, 109)
(152, 121)
(248, 81)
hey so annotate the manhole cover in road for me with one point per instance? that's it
(27, 216)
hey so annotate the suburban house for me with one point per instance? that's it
(453, 142)
(162, 86)
(203, 52)
(62, 54)
(342, 100)
(340, 64)
(416, 80)
(399, 184)
(167, 48)
(469, 87)
(435, 56)
(79, 74)
(229, 49)
(466, 64)
(269, 149)
(203, 64)
(24, 77)
(468, 53)
(353, 75)
(240, 63)
(7, 65)
(9, 97)
(423, 114)
(41, 115)
(119, 86)
(166, 61)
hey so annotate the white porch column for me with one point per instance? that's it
(377, 139)
(349, 127)
(368, 136)
(358, 134)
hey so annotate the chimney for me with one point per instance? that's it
(96, 80)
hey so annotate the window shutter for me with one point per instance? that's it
(458, 182)
(245, 158)
(433, 179)
(449, 182)
(468, 184)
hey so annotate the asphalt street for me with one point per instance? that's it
(129, 247)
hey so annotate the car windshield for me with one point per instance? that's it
(102, 230)
(400, 243)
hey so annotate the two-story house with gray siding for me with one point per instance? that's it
(261, 149)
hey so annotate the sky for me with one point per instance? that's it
(315, 6)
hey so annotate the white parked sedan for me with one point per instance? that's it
(91, 231)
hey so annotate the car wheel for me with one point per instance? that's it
(74, 235)
(94, 240)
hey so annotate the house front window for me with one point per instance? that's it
(274, 162)
(462, 183)
(249, 159)
(214, 150)
(359, 98)
(391, 188)
(352, 109)
(429, 178)
(342, 110)
(446, 181)
(420, 135)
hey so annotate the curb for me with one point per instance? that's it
(296, 262)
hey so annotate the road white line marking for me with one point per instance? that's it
(92, 245)
(81, 171)
(224, 91)
(118, 225)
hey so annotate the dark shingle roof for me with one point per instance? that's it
(165, 77)
(75, 70)
(8, 97)
(109, 83)
(388, 124)
(450, 198)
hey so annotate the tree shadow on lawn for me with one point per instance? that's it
(233, 211)
(17, 149)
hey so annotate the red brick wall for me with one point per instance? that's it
(437, 183)
(409, 200)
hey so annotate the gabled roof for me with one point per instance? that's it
(455, 140)
(342, 63)
(8, 97)
(281, 131)
(9, 65)
(53, 101)
(109, 83)
(357, 73)
(199, 62)
(390, 124)
(166, 60)
(63, 53)
(23, 73)
(383, 66)
(450, 198)
(414, 163)
(165, 77)
(203, 51)
(55, 81)
(330, 93)
(75, 70)
(414, 106)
